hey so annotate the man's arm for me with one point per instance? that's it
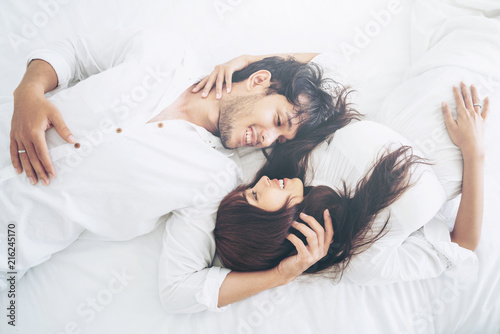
(71, 60)
(223, 73)
(33, 115)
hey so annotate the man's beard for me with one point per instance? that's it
(232, 110)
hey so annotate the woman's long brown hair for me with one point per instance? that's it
(252, 239)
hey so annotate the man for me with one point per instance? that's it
(142, 150)
(273, 116)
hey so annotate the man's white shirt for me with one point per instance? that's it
(125, 177)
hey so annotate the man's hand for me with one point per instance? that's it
(318, 243)
(33, 115)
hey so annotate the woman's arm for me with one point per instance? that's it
(240, 285)
(467, 132)
(224, 72)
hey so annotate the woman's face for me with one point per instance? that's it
(271, 195)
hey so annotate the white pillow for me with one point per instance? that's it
(414, 110)
(405, 252)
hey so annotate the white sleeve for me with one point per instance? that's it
(78, 58)
(187, 281)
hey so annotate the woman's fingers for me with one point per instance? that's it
(219, 83)
(448, 117)
(318, 233)
(209, 84)
(328, 229)
(466, 97)
(475, 99)
(459, 101)
(311, 236)
(229, 81)
(200, 85)
(486, 108)
(299, 245)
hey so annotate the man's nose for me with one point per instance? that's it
(268, 137)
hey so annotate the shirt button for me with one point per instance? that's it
(77, 145)
(119, 130)
(160, 125)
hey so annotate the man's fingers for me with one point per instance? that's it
(28, 168)
(37, 165)
(448, 117)
(486, 107)
(42, 152)
(14, 156)
(61, 128)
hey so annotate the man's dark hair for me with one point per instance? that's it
(320, 103)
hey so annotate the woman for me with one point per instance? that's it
(257, 229)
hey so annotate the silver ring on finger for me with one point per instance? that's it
(21, 151)
(478, 105)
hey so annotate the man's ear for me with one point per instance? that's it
(259, 80)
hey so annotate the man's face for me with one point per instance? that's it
(256, 120)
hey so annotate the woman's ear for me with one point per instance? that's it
(258, 80)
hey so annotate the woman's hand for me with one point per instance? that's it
(318, 243)
(467, 131)
(221, 73)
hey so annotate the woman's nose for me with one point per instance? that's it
(265, 181)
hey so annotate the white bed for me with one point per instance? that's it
(112, 287)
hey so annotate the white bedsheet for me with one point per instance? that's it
(111, 287)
